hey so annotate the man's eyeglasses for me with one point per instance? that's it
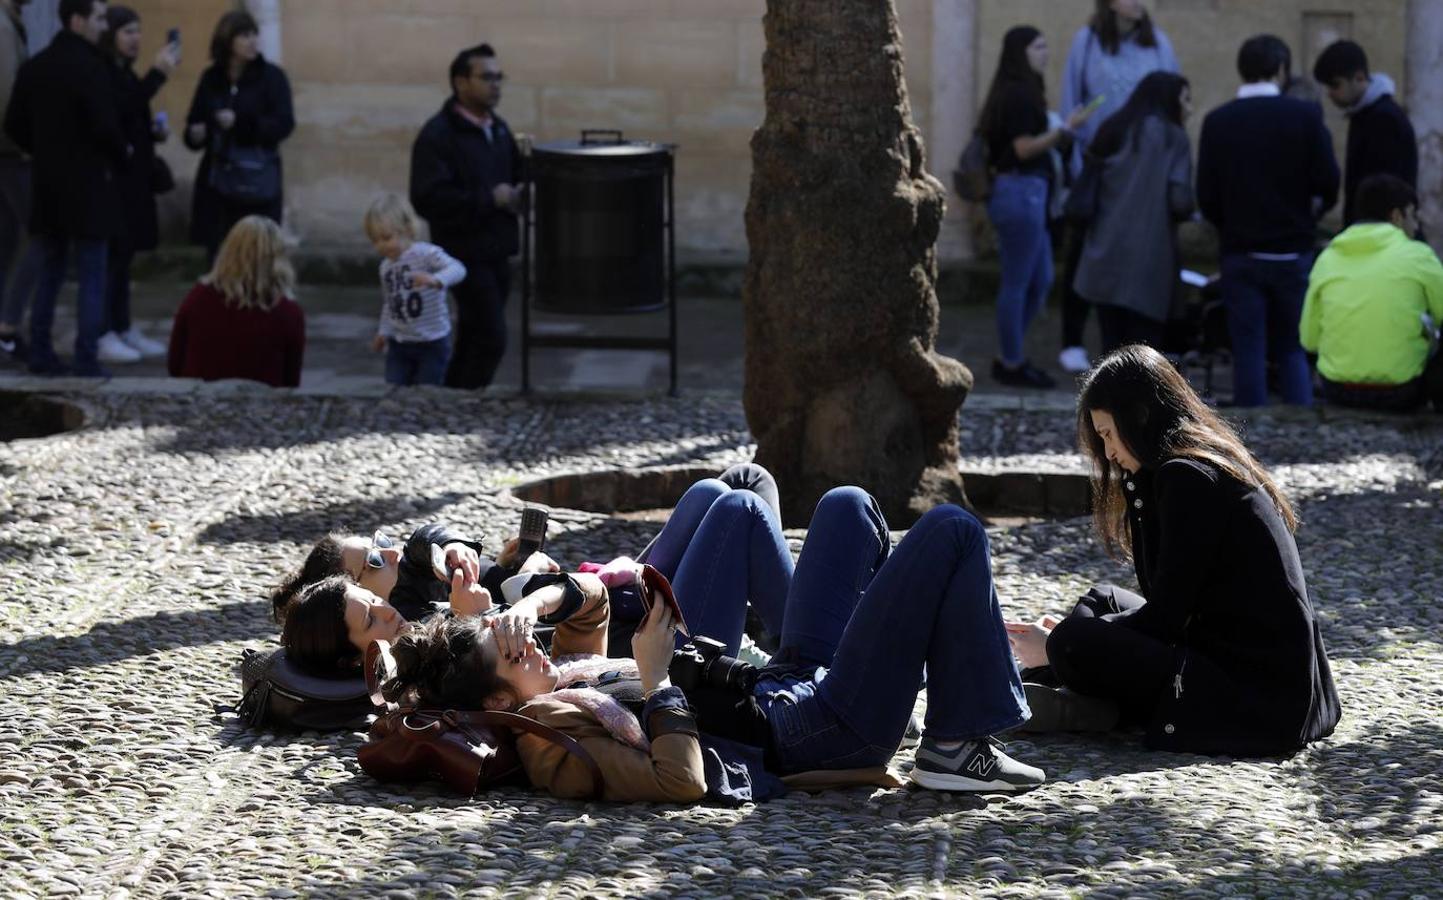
(379, 542)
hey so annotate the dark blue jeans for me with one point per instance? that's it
(874, 618)
(1264, 301)
(1018, 209)
(14, 214)
(421, 362)
(90, 258)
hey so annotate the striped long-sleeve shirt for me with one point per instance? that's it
(417, 314)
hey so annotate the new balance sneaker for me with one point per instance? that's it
(1074, 360)
(112, 349)
(913, 735)
(975, 766)
(142, 344)
(1062, 709)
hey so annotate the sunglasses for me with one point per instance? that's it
(379, 542)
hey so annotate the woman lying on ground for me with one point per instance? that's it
(857, 625)
(1221, 653)
(327, 631)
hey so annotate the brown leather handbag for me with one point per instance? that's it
(469, 750)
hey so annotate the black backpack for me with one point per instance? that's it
(276, 692)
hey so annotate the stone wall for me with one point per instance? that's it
(367, 73)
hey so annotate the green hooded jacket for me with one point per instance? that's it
(1367, 298)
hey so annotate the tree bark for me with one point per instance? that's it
(843, 384)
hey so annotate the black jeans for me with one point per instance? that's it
(481, 323)
(1074, 306)
(1121, 327)
(1404, 397)
(117, 287)
(1095, 652)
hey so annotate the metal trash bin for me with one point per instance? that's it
(600, 205)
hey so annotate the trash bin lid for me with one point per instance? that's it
(607, 149)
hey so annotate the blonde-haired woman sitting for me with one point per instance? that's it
(239, 321)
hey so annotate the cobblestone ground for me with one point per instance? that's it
(135, 554)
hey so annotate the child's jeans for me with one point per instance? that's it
(422, 362)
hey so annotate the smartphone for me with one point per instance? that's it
(532, 536)
(438, 564)
(173, 37)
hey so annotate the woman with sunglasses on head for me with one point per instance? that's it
(1221, 652)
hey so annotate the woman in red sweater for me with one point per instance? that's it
(239, 321)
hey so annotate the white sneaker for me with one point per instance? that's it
(1074, 359)
(142, 344)
(112, 349)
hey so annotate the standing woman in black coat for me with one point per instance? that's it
(241, 112)
(122, 341)
(1221, 653)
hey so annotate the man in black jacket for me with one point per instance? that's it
(1380, 137)
(63, 113)
(464, 169)
(1266, 172)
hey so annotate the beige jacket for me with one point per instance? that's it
(671, 773)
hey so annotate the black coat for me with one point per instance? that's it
(1380, 141)
(418, 592)
(133, 95)
(454, 168)
(264, 117)
(1224, 587)
(63, 113)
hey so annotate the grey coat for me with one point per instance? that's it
(1129, 258)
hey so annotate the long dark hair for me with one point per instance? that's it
(324, 561)
(315, 634)
(1104, 25)
(1013, 71)
(231, 26)
(1159, 417)
(442, 663)
(116, 18)
(1159, 94)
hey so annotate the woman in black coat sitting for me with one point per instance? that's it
(240, 114)
(1221, 653)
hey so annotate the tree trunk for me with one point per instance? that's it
(843, 384)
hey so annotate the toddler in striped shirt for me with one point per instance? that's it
(415, 330)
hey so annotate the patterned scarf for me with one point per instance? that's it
(619, 721)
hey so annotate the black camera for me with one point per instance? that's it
(702, 662)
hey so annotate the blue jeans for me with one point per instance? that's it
(721, 549)
(14, 214)
(1018, 209)
(90, 257)
(421, 362)
(1264, 301)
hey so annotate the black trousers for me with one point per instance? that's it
(1074, 307)
(1405, 397)
(480, 341)
(1095, 652)
(1121, 327)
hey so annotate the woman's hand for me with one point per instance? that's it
(196, 133)
(1080, 115)
(652, 646)
(514, 630)
(424, 280)
(539, 563)
(467, 597)
(1029, 640)
(225, 119)
(167, 58)
(463, 558)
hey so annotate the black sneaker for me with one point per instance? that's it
(1025, 375)
(1040, 675)
(975, 766)
(48, 365)
(1062, 709)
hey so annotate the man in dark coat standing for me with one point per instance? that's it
(63, 113)
(1381, 140)
(464, 169)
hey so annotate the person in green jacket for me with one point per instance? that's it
(1374, 305)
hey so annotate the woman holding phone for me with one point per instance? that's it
(122, 341)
